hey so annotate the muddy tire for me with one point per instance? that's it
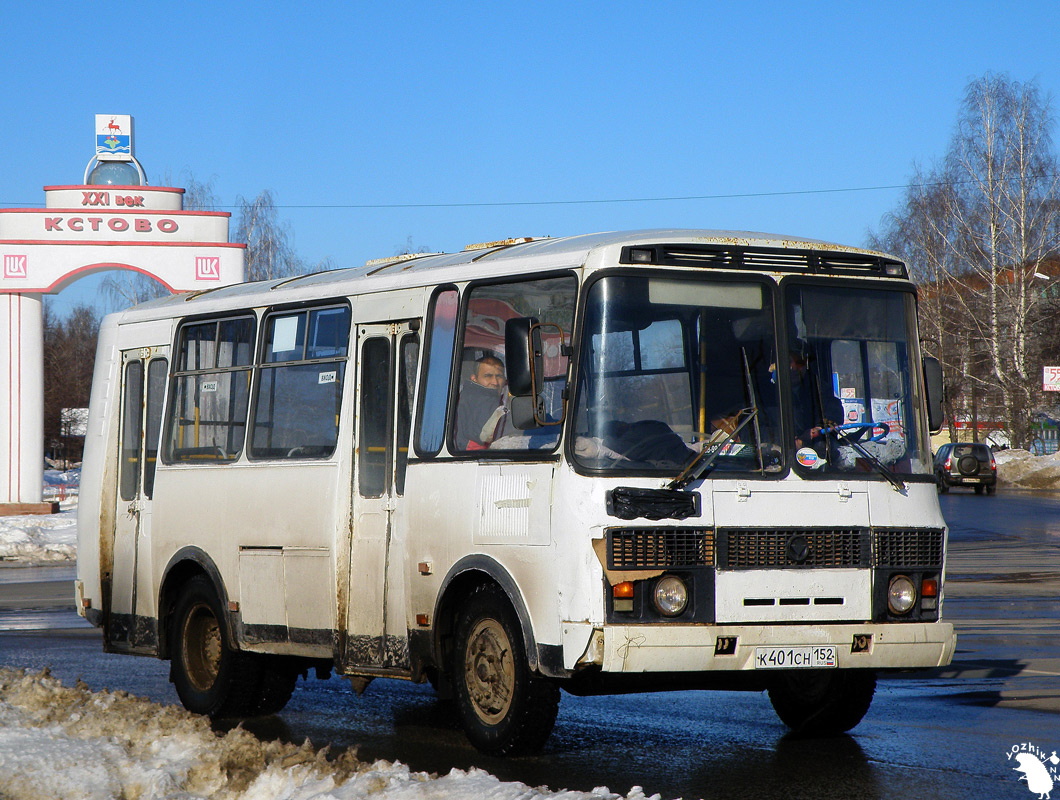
(209, 676)
(822, 702)
(503, 708)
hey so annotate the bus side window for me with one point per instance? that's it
(408, 355)
(441, 333)
(157, 372)
(375, 398)
(132, 416)
(482, 420)
(210, 391)
(299, 390)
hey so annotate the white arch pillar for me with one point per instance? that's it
(84, 229)
(22, 399)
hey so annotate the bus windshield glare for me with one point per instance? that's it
(673, 366)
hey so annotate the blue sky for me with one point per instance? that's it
(466, 122)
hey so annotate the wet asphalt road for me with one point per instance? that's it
(928, 735)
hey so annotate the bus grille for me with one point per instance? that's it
(908, 548)
(780, 548)
(659, 548)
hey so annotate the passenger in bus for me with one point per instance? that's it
(480, 412)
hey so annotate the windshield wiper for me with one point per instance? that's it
(896, 483)
(701, 461)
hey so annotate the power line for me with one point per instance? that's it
(598, 201)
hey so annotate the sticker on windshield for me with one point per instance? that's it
(807, 457)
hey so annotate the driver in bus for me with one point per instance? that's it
(807, 397)
(481, 409)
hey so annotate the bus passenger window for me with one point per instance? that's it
(299, 392)
(482, 412)
(430, 430)
(211, 391)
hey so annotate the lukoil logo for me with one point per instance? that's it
(1037, 769)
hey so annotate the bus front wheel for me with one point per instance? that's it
(822, 702)
(210, 677)
(503, 707)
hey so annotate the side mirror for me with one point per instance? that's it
(519, 349)
(525, 370)
(935, 391)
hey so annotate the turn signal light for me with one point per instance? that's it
(929, 588)
(623, 590)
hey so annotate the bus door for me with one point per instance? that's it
(144, 373)
(387, 356)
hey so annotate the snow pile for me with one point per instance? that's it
(1021, 468)
(45, 538)
(75, 744)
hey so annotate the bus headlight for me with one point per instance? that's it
(901, 595)
(670, 595)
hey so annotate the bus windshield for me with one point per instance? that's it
(854, 386)
(670, 366)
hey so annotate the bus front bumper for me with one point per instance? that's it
(672, 648)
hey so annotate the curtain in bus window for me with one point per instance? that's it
(132, 411)
(299, 393)
(442, 333)
(375, 401)
(482, 408)
(156, 386)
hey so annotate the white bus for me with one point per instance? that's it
(615, 462)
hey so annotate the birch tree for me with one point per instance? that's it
(269, 252)
(1005, 178)
(978, 231)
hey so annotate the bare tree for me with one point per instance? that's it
(269, 253)
(69, 356)
(923, 233)
(1005, 172)
(979, 231)
(126, 287)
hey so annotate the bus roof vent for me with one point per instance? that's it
(855, 263)
(695, 256)
(386, 262)
(776, 259)
(501, 243)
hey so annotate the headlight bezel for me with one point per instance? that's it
(670, 596)
(902, 595)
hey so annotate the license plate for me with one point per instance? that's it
(807, 657)
(971, 480)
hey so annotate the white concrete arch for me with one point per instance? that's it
(105, 266)
(80, 231)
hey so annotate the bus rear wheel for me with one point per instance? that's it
(503, 707)
(210, 677)
(822, 702)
